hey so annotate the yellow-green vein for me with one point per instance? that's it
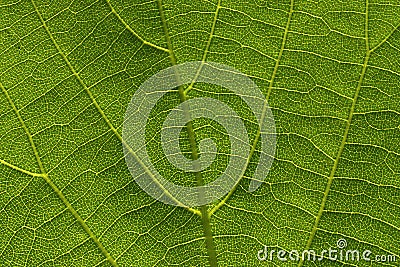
(103, 115)
(129, 28)
(16, 167)
(205, 218)
(343, 142)
(50, 182)
(270, 86)
(206, 50)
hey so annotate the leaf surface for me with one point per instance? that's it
(329, 70)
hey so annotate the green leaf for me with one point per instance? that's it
(329, 70)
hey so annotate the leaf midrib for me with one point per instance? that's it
(205, 217)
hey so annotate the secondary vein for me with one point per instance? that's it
(128, 27)
(343, 142)
(270, 86)
(50, 182)
(206, 50)
(106, 119)
(18, 168)
(338, 157)
(47, 178)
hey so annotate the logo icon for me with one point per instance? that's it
(341, 243)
